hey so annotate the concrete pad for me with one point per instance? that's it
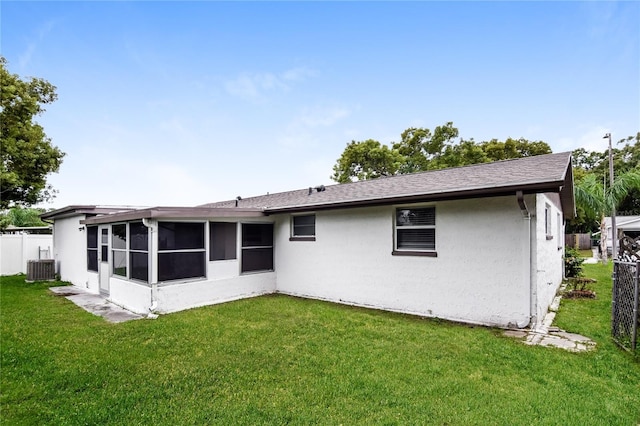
(572, 336)
(95, 304)
(546, 334)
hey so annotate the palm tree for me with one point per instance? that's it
(598, 201)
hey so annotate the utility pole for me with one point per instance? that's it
(614, 231)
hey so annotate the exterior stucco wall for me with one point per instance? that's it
(548, 255)
(177, 297)
(70, 250)
(131, 295)
(480, 274)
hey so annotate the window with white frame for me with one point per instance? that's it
(119, 249)
(303, 227)
(104, 244)
(138, 251)
(181, 250)
(415, 231)
(130, 251)
(257, 247)
(92, 248)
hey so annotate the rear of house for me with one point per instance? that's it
(480, 244)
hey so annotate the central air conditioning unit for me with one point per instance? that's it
(41, 270)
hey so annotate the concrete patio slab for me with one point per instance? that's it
(95, 304)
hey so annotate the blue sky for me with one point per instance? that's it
(184, 103)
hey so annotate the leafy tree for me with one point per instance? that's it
(18, 216)
(421, 149)
(596, 201)
(366, 160)
(26, 152)
(513, 148)
(463, 153)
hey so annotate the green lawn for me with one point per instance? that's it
(282, 360)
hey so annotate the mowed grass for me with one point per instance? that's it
(283, 360)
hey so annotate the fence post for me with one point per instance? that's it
(24, 254)
(634, 331)
(614, 302)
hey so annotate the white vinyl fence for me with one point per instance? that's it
(17, 249)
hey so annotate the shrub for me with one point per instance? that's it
(572, 262)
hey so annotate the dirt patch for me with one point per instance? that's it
(580, 294)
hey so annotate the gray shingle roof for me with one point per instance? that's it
(542, 173)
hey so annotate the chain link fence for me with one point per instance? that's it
(625, 319)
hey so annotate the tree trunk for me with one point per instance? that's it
(603, 240)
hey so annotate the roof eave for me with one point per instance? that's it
(75, 210)
(174, 213)
(553, 186)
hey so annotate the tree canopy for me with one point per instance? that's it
(421, 149)
(27, 154)
(18, 216)
(594, 196)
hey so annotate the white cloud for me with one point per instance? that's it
(591, 140)
(25, 58)
(298, 74)
(323, 117)
(255, 86)
(306, 128)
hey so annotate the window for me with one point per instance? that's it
(257, 247)
(415, 231)
(181, 251)
(547, 221)
(129, 260)
(92, 248)
(104, 245)
(139, 251)
(303, 227)
(119, 249)
(222, 241)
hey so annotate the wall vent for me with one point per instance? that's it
(41, 270)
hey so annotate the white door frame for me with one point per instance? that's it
(104, 259)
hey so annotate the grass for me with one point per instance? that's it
(282, 360)
(585, 253)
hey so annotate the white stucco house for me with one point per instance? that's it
(481, 244)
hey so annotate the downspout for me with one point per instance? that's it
(527, 259)
(153, 276)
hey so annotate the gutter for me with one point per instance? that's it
(527, 260)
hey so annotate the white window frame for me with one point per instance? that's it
(124, 250)
(202, 250)
(244, 249)
(95, 249)
(398, 251)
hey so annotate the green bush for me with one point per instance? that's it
(572, 262)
